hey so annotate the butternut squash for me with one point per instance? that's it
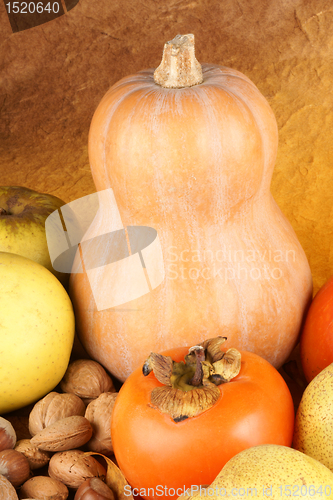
(191, 154)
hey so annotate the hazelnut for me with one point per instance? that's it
(99, 413)
(64, 434)
(87, 379)
(7, 490)
(73, 467)
(37, 458)
(44, 488)
(53, 407)
(14, 466)
(94, 489)
(7, 435)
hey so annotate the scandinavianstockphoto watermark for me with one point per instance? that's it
(166, 491)
(285, 490)
(88, 235)
(226, 264)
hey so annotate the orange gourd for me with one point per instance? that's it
(195, 163)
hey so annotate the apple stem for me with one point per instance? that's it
(3, 211)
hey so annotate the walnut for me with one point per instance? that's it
(53, 407)
(37, 458)
(99, 413)
(87, 379)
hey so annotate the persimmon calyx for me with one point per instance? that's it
(190, 387)
(179, 68)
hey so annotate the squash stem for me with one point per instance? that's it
(179, 67)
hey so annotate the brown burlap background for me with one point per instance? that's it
(54, 75)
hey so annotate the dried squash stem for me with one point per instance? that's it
(179, 67)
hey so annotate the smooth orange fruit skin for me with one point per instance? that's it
(158, 454)
(316, 343)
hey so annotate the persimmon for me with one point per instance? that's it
(181, 417)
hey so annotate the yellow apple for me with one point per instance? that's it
(36, 331)
(22, 224)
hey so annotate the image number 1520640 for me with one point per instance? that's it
(24, 15)
(31, 7)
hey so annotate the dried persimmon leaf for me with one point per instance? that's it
(229, 366)
(115, 479)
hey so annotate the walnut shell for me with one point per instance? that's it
(44, 488)
(37, 458)
(53, 407)
(87, 379)
(64, 434)
(73, 467)
(7, 490)
(99, 414)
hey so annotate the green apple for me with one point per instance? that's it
(36, 331)
(22, 224)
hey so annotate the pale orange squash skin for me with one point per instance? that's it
(196, 165)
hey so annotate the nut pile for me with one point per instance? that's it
(49, 461)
